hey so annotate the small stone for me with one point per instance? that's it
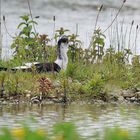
(113, 97)
(128, 94)
(99, 101)
(138, 95)
(138, 89)
(27, 91)
(57, 83)
(4, 102)
(28, 95)
(121, 99)
(133, 99)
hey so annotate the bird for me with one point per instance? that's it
(59, 64)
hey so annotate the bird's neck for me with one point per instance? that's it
(62, 58)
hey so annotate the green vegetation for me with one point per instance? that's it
(62, 131)
(121, 134)
(65, 131)
(91, 73)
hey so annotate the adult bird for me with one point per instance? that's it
(59, 64)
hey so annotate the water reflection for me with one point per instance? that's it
(89, 119)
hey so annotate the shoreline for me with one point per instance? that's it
(129, 96)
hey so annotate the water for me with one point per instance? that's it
(89, 119)
(68, 14)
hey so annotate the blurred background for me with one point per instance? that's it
(70, 13)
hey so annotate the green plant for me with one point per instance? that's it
(23, 134)
(128, 81)
(97, 45)
(116, 134)
(43, 41)
(71, 69)
(79, 71)
(10, 86)
(136, 67)
(2, 80)
(26, 26)
(66, 131)
(96, 85)
(74, 44)
(26, 44)
(6, 135)
(59, 33)
(109, 55)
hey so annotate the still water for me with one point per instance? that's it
(69, 13)
(89, 119)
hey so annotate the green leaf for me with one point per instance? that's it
(33, 33)
(21, 33)
(25, 17)
(13, 46)
(22, 23)
(26, 30)
(32, 21)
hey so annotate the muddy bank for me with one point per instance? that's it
(129, 96)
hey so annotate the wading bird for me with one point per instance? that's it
(59, 64)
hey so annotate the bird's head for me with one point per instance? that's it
(63, 41)
(63, 45)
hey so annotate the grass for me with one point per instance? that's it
(81, 80)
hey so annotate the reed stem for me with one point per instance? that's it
(0, 32)
(136, 39)
(30, 10)
(115, 16)
(4, 23)
(130, 34)
(100, 9)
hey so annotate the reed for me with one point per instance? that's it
(135, 43)
(30, 11)
(99, 11)
(130, 34)
(0, 31)
(115, 16)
